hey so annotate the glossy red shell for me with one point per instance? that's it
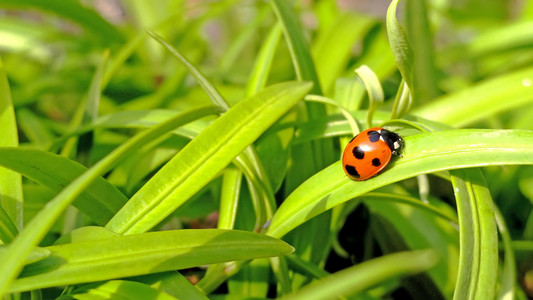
(369, 152)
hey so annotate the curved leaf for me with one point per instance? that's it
(100, 201)
(122, 256)
(367, 274)
(400, 45)
(478, 260)
(10, 182)
(206, 155)
(478, 102)
(423, 153)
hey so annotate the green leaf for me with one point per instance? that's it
(508, 275)
(174, 284)
(100, 201)
(333, 47)
(37, 228)
(421, 40)
(121, 289)
(423, 153)
(367, 274)
(400, 45)
(10, 182)
(229, 198)
(123, 256)
(502, 39)
(88, 19)
(375, 91)
(399, 225)
(8, 229)
(478, 260)
(211, 91)
(206, 155)
(480, 101)
(263, 63)
(301, 57)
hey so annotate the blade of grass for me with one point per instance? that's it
(420, 38)
(482, 100)
(301, 57)
(375, 92)
(100, 201)
(88, 19)
(19, 249)
(423, 153)
(229, 198)
(10, 182)
(121, 289)
(153, 252)
(367, 274)
(263, 63)
(399, 44)
(211, 91)
(206, 155)
(478, 260)
(508, 277)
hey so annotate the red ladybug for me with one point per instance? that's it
(369, 152)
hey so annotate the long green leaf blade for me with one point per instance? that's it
(121, 289)
(478, 261)
(10, 182)
(480, 101)
(400, 45)
(367, 274)
(131, 255)
(201, 160)
(301, 57)
(37, 228)
(423, 153)
(211, 91)
(100, 201)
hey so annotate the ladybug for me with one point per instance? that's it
(369, 152)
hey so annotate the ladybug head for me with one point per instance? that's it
(393, 140)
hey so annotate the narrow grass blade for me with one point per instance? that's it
(229, 198)
(100, 201)
(263, 63)
(174, 284)
(367, 274)
(153, 252)
(8, 229)
(508, 275)
(301, 57)
(121, 289)
(206, 155)
(10, 182)
(333, 46)
(423, 153)
(421, 41)
(487, 98)
(373, 88)
(478, 260)
(88, 19)
(399, 43)
(34, 232)
(211, 91)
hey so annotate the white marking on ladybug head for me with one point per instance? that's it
(397, 145)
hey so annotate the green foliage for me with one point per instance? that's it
(141, 143)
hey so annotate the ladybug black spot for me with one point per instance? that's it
(374, 136)
(358, 153)
(352, 171)
(376, 162)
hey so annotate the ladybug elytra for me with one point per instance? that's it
(369, 152)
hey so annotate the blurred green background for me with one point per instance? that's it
(470, 65)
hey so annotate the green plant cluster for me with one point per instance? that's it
(191, 150)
